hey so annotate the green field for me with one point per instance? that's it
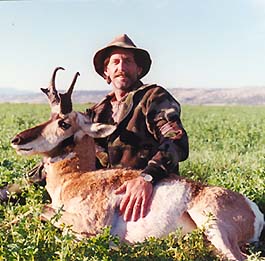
(227, 148)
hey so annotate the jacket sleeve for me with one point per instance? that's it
(163, 121)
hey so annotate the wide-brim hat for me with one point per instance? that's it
(142, 57)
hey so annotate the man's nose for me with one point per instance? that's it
(122, 65)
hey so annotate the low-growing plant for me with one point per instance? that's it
(226, 149)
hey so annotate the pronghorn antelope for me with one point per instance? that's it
(87, 199)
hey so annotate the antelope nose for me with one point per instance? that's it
(16, 140)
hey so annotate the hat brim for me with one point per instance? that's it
(142, 58)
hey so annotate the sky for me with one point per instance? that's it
(192, 43)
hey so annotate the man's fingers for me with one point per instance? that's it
(146, 201)
(145, 206)
(136, 199)
(124, 203)
(137, 209)
(128, 210)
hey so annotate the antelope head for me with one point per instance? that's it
(63, 126)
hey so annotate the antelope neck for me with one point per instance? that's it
(62, 151)
(61, 157)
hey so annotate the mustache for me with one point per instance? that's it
(123, 74)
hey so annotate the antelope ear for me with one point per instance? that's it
(95, 130)
(99, 130)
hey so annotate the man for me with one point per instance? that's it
(149, 134)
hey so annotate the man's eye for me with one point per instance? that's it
(128, 61)
(63, 125)
(115, 62)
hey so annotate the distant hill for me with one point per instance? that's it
(220, 96)
(33, 97)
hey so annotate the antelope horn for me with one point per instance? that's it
(70, 90)
(52, 93)
(65, 98)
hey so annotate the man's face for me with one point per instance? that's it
(122, 69)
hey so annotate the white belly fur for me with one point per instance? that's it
(167, 213)
(259, 220)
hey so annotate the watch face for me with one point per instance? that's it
(148, 178)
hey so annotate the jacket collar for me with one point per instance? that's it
(127, 102)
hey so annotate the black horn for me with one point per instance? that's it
(71, 88)
(65, 98)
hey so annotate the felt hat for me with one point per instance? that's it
(142, 57)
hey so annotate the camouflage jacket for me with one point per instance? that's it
(149, 134)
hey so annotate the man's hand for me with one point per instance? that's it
(136, 200)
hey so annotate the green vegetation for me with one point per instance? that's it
(226, 149)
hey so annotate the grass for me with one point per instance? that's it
(226, 149)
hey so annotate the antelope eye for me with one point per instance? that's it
(63, 125)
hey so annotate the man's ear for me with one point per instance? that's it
(106, 76)
(139, 70)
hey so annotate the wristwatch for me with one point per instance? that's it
(147, 177)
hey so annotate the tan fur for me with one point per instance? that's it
(224, 214)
